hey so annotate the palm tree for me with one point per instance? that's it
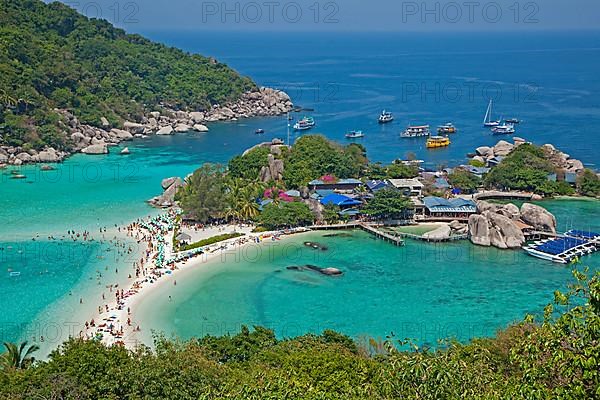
(7, 99)
(18, 356)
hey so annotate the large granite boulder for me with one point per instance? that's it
(484, 151)
(168, 182)
(182, 128)
(197, 117)
(122, 134)
(510, 210)
(96, 149)
(273, 171)
(315, 207)
(483, 206)
(479, 230)
(200, 128)
(538, 217)
(504, 234)
(104, 122)
(133, 127)
(48, 155)
(165, 130)
(503, 148)
(24, 157)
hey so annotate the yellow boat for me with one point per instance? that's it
(437, 141)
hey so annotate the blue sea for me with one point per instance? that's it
(549, 81)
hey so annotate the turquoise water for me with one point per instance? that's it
(348, 80)
(421, 291)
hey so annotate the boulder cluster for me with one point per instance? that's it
(170, 187)
(485, 153)
(97, 140)
(501, 225)
(560, 160)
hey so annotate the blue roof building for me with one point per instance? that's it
(441, 183)
(342, 184)
(339, 200)
(438, 206)
(376, 185)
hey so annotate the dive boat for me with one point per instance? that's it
(385, 117)
(504, 129)
(437, 141)
(416, 131)
(308, 121)
(354, 134)
(302, 126)
(446, 129)
(487, 120)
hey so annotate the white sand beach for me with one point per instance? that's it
(116, 322)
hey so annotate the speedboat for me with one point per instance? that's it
(416, 131)
(259, 131)
(437, 141)
(355, 134)
(385, 117)
(504, 129)
(513, 121)
(446, 129)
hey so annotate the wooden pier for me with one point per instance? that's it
(394, 239)
(433, 240)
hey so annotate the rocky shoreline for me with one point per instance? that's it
(89, 139)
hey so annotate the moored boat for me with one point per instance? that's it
(446, 129)
(385, 117)
(354, 134)
(513, 121)
(487, 120)
(435, 142)
(259, 131)
(504, 129)
(416, 131)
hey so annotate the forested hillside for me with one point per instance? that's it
(53, 57)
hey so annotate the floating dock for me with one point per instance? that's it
(566, 248)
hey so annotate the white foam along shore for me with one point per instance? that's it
(116, 321)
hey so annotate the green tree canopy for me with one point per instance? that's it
(205, 194)
(388, 203)
(51, 56)
(464, 180)
(286, 215)
(313, 156)
(248, 166)
(589, 184)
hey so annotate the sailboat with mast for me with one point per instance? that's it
(487, 120)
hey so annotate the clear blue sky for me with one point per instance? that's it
(345, 15)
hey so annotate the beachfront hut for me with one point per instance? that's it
(440, 208)
(409, 187)
(293, 193)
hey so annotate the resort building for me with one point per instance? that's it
(408, 187)
(376, 185)
(439, 208)
(342, 185)
(348, 205)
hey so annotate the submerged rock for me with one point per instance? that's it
(316, 246)
(330, 271)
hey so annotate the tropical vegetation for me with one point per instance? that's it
(53, 57)
(211, 240)
(388, 203)
(286, 215)
(553, 356)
